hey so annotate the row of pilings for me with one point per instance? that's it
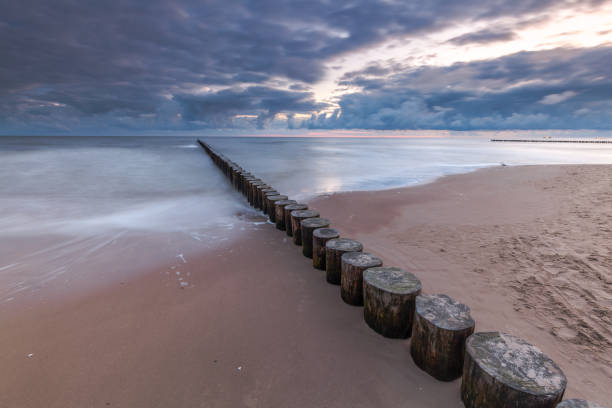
(497, 369)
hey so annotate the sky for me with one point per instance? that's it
(181, 66)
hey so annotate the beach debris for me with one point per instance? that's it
(389, 296)
(441, 327)
(30, 355)
(239, 368)
(182, 258)
(501, 370)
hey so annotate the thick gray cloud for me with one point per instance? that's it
(123, 66)
(217, 109)
(561, 88)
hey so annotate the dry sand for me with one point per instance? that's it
(528, 248)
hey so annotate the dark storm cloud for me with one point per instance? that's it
(562, 88)
(125, 64)
(217, 109)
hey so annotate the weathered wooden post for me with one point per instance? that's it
(501, 370)
(279, 211)
(308, 226)
(351, 277)
(441, 327)
(253, 193)
(287, 213)
(296, 223)
(259, 194)
(267, 192)
(246, 184)
(239, 178)
(578, 403)
(320, 236)
(247, 187)
(242, 176)
(271, 205)
(389, 296)
(236, 177)
(334, 249)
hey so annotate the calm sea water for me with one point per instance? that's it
(97, 198)
(92, 184)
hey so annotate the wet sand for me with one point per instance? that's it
(528, 248)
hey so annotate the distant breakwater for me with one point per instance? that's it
(551, 141)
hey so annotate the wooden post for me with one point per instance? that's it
(259, 194)
(351, 277)
(236, 178)
(279, 211)
(250, 186)
(267, 192)
(389, 296)
(296, 223)
(287, 213)
(440, 329)
(578, 403)
(320, 236)
(271, 207)
(254, 192)
(308, 226)
(501, 370)
(241, 175)
(246, 185)
(334, 249)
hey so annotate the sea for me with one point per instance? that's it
(89, 193)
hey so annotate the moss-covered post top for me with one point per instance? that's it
(314, 222)
(285, 202)
(392, 279)
(304, 213)
(443, 312)
(344, 245)
(277, 197)
(516, 363)
(362, 260)
(298, 206)
(326, 233)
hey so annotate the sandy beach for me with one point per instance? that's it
(527, 248)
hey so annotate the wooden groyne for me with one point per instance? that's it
(498, 370)
(552, 141)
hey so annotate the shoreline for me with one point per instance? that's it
(259, 325)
